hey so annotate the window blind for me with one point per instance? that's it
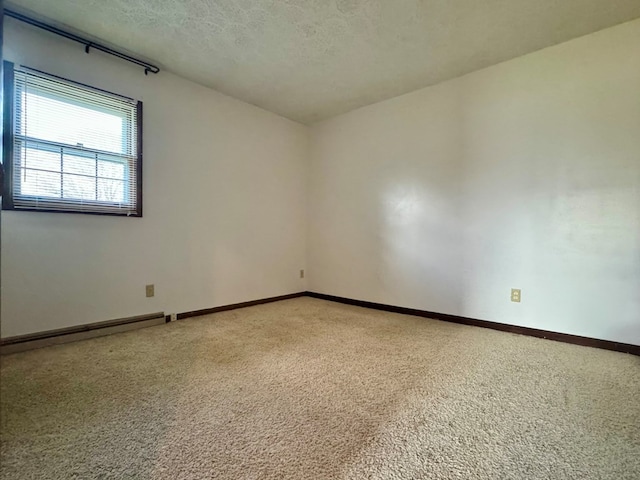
(75, 148)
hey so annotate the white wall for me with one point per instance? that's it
(224, 206)
(524, 175)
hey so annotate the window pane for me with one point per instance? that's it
(63, 121)
(110, 190)
(75, 147)
(111, 169)
(40, 159)
(39, 184)
(81, 165)
(80, 188)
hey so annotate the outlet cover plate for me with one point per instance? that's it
(516, 295)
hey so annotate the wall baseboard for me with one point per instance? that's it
(81, 332)
(503, 327)
(47, 338)
(233, 306)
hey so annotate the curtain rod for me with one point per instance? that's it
(88, 44)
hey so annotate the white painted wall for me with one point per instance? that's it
(224, 206)
(525, 175)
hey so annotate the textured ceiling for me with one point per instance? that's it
(311, 59)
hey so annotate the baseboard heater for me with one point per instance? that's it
(81, 332)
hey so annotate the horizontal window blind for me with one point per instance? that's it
(75, 148)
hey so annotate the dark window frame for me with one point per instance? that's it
(8, 153)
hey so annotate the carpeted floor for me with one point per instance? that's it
(308, 389)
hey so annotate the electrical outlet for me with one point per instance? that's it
(301, 273)
(150, 290)
(515, 295)
(173, 317)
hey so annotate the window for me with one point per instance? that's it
(70, 147)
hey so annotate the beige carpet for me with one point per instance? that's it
(308, 389)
